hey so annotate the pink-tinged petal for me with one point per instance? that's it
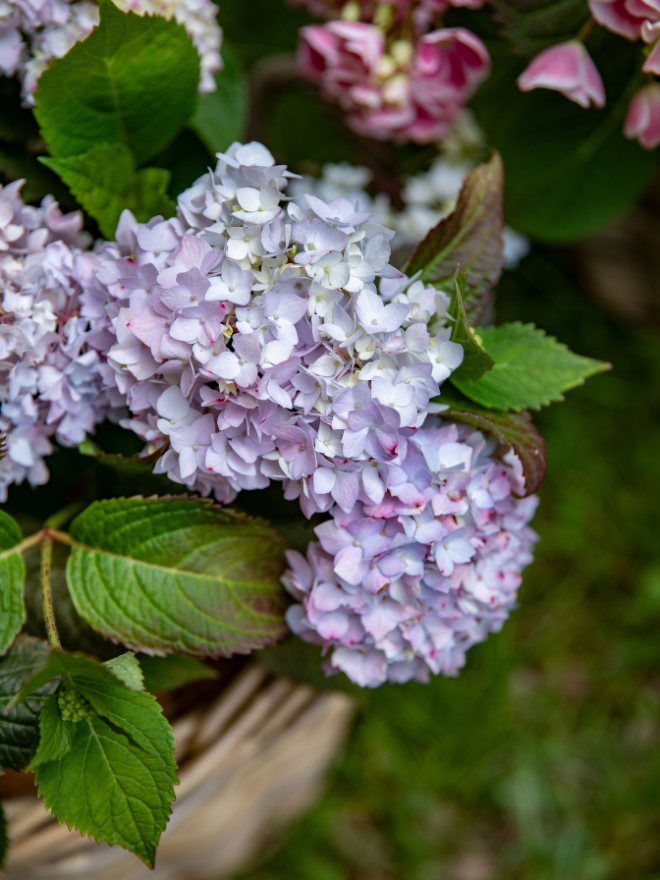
(333, 625)
(346, 489)
(378, 621)
(652, 63)
(643, 118)
(616, 17)
(332, 539)
(454, 58)
(328, 597)
(365, 668)
(324, 480)
(146, 325)
(374, 580)
(351, 565)
(566, 68)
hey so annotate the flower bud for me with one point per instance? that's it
(566, 68)
(643, 117)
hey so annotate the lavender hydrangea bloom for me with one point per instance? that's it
(270, 321)
(304, 357)
(34, 34)
(402, 588)
(49, 335)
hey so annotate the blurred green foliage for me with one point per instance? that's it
(541, 761)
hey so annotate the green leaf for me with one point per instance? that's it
(173, 671)
(471, 236)
(102, 688)
(133, 465)
(221, 116)
(533, 25)
(513, 429)
(56, 664)
(105, 182)
(569, 171)
(476, 361)
(175, 574)
(55, 734)
(18, 728)
(132, 81)
(115, 782)
(127, 669)
(4, 837)
(12, 578)
(531, 369)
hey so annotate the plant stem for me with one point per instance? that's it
(584, 30)
(62, 537)
(46, 592)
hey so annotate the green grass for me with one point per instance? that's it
(541, 761)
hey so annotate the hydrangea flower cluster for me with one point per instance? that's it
(405, 587)
(257, 337)
(569, 69)
(48, 350)
(392, 74)
(33, 34)
(256, 342)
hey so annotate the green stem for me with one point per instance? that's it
(46, 592)
(584, 30)
(62, 537)
(63, 516)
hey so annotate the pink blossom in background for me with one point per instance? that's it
(651, 34)
(412, 92)
(643, 118)
(566, 68)
(625, 17)
(341, 55)
(632, 19)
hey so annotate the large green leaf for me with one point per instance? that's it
(18, 728)
(476, 361)
(105, 182)
(531, 369)
(177, 574)
(132, 81)
(113, 778)
(221, 116)
(533, 25)
(470, 237)
(12, 578)
(514, 429)
(569, 171)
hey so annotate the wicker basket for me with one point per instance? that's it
(249, 764)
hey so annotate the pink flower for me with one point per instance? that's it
(624, 17)
(414, 93)
(651, 34)
(643, 118)
(450, 63)
(566, 68)
(340, 54)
